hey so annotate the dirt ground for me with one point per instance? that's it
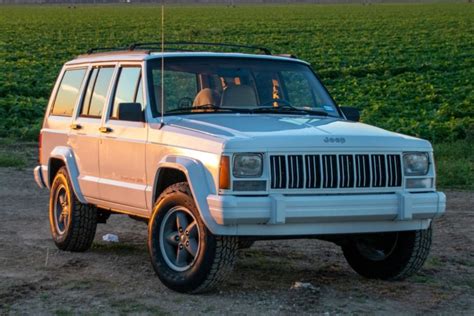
(36, 278)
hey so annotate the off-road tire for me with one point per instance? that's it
(245, 243)
(407, 257)
(79, 232)
(215, 257)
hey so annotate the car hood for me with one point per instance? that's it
(270, 132)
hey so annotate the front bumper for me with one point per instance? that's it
(326, 214)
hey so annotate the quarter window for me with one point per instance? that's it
(128, 88)
(96, 94)
(68, 92)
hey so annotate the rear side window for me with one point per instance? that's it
(68, 92)
(97, 89)
(127, 90)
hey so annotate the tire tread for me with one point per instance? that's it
(83, 222)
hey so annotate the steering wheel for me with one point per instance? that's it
(185, 102)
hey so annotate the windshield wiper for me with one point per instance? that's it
(285, 106)
(287, 109)
(211, 107)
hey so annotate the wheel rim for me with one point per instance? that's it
(179, 238)
(61, 209)
(378, 247)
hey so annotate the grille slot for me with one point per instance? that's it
(346, 171)
(330, 171)
(278, 172)
(295, 172)
(378, 171)
(362, 171)
(394, 170)
(313, 171)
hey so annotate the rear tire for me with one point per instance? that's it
(72, 223)
(388, 256)
(185, 255)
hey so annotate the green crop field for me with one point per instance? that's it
(409, 68)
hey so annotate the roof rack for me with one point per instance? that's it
(156, 45)
(152, 45)
(104, 49)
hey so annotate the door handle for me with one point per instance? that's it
(76, 126)
(105, 129)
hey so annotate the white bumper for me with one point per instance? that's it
(39, 174)
(325, 214)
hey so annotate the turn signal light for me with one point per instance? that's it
(224, 173)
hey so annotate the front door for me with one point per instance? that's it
(122, 148)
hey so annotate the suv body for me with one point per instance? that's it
(250, 174)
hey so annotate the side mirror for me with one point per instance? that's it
(130, 112)
(351, 113)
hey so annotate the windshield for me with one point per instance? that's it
(223, 84)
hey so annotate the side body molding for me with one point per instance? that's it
(201, 183)
(66, 155)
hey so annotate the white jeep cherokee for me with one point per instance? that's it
(217, 150)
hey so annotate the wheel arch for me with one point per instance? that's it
(63, 156)
(195, 174)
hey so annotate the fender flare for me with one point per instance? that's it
(67, 156)
(200, 182)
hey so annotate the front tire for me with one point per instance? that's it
(388, 256)
(72, 223)
(185, 255)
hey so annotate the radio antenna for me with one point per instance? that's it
(162, 63)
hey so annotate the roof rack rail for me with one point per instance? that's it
(288, 56)
(266, 51)
(100, 49)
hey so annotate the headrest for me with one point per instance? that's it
(239, 96)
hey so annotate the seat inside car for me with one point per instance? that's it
(205, 97)
(239, 96)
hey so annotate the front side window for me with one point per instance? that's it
(128, 89)
(68, 92)
(96, 94)
(202, 84)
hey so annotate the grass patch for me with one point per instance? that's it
(12, 159)
(127, 307)
(433, 262)
(424, 279)
(455, 164)
(63, 312)
(117, 247)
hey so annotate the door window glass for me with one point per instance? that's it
(126, 88)
(68, 92)
(95, 97)
(139, 97)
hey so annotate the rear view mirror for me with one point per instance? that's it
(351, 113)
(131, 112)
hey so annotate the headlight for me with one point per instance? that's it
(247, 165)
(416, 164)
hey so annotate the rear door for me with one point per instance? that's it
(85, 134)
(62, 104)
(122, 149)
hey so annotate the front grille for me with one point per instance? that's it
(332, 171)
